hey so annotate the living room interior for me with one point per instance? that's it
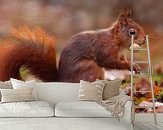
(81, 65)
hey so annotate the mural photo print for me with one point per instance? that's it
(69, 42)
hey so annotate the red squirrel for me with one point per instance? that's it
(84, 57)
(88, 53)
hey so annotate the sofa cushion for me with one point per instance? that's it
(26, 109)
(5, 85)
(18, 84)
(80, 109)
(91, 91)
(111, 88)
(16, 95)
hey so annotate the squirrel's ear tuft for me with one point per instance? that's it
(127, 13)
(124, 16)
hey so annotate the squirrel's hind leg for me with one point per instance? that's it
(86, 70)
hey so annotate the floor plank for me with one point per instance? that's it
(136, 128)
(158, 125)
(141, 117)
(151, 126)
(148, 126)
(141, 126)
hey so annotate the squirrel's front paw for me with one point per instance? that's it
(136, 68)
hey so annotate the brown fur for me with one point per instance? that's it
(84, 57)
(33, 49)
(86, 54)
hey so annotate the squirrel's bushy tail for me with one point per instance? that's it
(28, 49)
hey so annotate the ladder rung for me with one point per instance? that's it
(141, 62)
(141, 74)
(143, 106)
(142, 91)
(140, 49)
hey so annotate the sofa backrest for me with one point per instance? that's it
(55, 92)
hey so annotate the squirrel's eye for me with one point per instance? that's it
(132, 32)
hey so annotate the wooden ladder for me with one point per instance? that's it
(149, 73)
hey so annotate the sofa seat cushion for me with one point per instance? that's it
(26, 109)
(80, 109)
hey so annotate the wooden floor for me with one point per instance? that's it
(148, 126)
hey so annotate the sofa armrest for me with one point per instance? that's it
(127, 112)
(128, 106)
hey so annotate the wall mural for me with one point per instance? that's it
(30, 53)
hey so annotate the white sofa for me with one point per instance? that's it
(67, 93)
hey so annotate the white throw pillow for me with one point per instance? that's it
(16, 95)
(18, 84)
